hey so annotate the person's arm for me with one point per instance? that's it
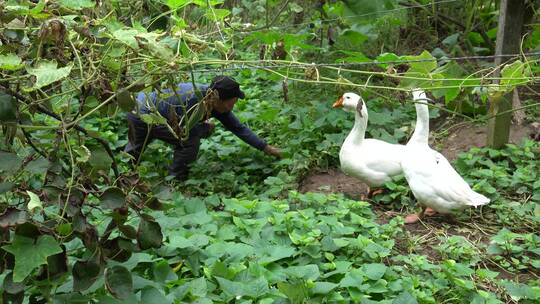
(231, 123)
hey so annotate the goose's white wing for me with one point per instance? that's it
(452, 186)
(374, 161)
(436, 184)
(383, 156)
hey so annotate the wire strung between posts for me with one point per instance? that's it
(273, 64)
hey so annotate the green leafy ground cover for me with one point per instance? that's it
(316, 248)
(271, 243)
(243, 234)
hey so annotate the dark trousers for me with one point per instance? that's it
(185, 152)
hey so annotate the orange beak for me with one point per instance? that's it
(338, 103)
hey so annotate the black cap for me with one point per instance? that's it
(227, 87)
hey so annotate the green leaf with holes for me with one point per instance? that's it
(127, 36)
(514, 74)
(30, 253)
(149, 42)
(423, 63)
(47, 72)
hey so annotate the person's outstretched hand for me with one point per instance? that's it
(271, 150)
(210, 127)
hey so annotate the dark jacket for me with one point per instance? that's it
(186, 99)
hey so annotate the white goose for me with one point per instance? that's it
(433, 181)
(372, 161)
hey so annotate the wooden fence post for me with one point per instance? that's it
(511, 15)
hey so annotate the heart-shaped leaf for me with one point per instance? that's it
(374, 271)
(306, 272)
(64, 229)
(85, 273)
(7, 108)
(125, 100)
(118, 249)
(34, 202)
(10, 162)
(38, 166)
(423, 63)
(405, 298)
(519, 291)
(149, 234)
(6, 186)
(99, 159)
(163, 272)
(253, 288)
(296, 293)
(113, 198)
(128, 230)
(12, 217)
(12, 287)
(119, 282)
(323, 287)
(152, 295)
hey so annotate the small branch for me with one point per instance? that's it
(29, 141)
(268, 24)
(458, 23)
(267, 9)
